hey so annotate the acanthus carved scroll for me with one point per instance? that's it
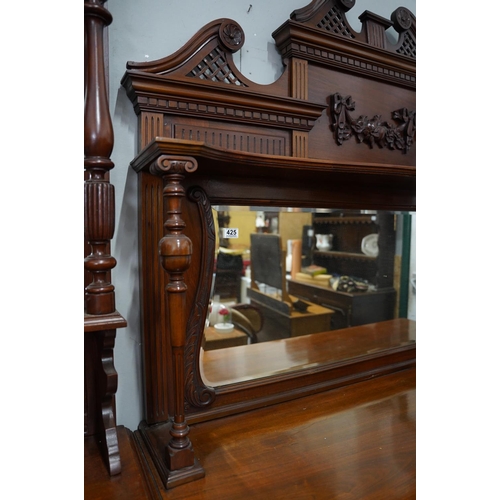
(372, 130)
(197, 394)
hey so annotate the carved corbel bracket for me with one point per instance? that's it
(198, 395)
(168, 164)
(372, 131)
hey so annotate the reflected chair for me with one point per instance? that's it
(247, 318)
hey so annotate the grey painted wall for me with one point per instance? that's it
(151, 29)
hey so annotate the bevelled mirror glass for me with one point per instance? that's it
(294, 273)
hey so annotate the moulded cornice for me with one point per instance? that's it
(201, 151)
(151, 92)
(294, 39)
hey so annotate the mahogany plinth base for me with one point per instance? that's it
(103, 303)
(153, 442)
(179, 459)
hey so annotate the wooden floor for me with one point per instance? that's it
(355, 442)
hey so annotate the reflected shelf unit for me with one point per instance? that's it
(348, 229)
(346, 257)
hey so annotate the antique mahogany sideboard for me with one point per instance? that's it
(336, 130)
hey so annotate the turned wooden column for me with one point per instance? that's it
(98, 145)
(100, 317)
(175, 250)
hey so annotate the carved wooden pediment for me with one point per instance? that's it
(256, 145)
(199, 94)
(202, 80)
(321, 33)
(329, 15)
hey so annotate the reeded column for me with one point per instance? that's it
(98, 145)
(100, 319)
(175, 250)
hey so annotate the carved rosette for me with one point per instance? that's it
(401, 18)
(372, 130)
(231, 35)
(347, 4)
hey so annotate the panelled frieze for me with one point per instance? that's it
(151, 126)
(235, 140)
(300, 144)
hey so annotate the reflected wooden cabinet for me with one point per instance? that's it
(352, 309)
(349, 231)
(346, 257)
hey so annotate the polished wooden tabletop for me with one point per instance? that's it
(352, 443)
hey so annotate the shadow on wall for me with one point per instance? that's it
(128, 350)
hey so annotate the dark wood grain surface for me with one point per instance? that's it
(130, 484)
(351, 443)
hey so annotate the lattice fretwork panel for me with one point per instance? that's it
(334, 22)
(214, 67)
(408, 47)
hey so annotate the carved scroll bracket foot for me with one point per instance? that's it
(101, 382)
(110, 451)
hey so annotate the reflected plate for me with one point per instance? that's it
(369, 245)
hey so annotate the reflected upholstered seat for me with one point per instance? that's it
(247, 318)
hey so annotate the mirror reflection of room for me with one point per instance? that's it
(288, 272)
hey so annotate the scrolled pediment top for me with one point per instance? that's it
(230, 36)
(305, 13)
(312, 40)
(327, 18)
